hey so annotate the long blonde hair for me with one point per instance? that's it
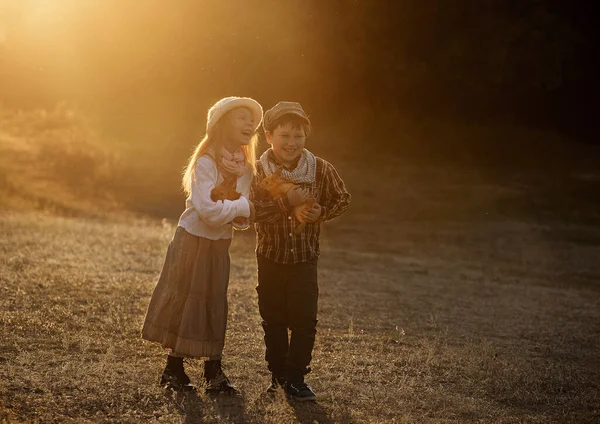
(210, 139)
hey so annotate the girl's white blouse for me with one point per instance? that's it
(212, 220)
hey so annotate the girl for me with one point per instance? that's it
(188, 309)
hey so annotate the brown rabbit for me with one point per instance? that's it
(227, 191)
(277, 187)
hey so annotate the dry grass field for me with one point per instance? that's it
(447, 295)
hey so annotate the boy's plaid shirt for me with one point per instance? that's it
(275, 222)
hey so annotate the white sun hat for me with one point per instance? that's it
(226, 104)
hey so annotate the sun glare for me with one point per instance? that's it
(41, 19)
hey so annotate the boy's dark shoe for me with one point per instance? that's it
(216, 380)
(276, 382)
(174, 376)
(300, 391)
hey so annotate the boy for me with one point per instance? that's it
(287, 262)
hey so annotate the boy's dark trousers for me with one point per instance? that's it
(287, 298)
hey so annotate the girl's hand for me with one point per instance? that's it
(297, 195)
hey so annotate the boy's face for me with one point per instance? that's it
(287, 143)
(239, 126)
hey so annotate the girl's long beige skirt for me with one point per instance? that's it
(188, 309)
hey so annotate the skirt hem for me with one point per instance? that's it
(181, 345)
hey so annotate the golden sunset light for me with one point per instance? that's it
(299, 211)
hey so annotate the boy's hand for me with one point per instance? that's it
(313, 213)
(297, 195)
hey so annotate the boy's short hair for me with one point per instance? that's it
(285, 112)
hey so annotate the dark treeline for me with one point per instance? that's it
(362, 62)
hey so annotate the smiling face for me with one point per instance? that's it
(287, 141)
(238, 127)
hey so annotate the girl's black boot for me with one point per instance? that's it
(216, 380)
(174, 376)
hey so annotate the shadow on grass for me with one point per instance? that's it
(231, 408)
(311, 412)
(200, 408)
(189, 405)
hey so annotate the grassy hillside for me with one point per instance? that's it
(448, 294)
(58, 161)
